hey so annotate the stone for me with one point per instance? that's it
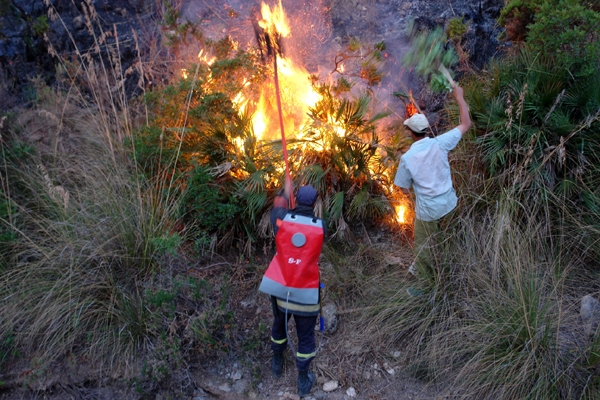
(406, 6)
(351, 392)
(241, 386)
(590, 314)
(330, 386)
(330, 318)
(225, 388)
(396, 354)
(236, 376)
(294, 397)
(78, 23)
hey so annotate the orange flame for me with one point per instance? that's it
(400, 214)
(275, 21)
(411, 109)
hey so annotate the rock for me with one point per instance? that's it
(294, 397)
(280, 394)
(78, 23)
(396, 354)
(241, 386)
(225, 388)
(406, 6)
(389, 369)
(351, 392)
(330, 386)
(330, 318)
(590, 314)
(236, 376)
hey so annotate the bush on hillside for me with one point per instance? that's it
(565, 30)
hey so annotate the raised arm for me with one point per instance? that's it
(465, 118)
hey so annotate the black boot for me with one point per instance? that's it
(277, 364)
(305, 382)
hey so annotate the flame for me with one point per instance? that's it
(297, 96)
(411, 109)
(259, 119)
(400, 214)
(274, 21)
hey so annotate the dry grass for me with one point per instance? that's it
(498, 317)
(89, 230)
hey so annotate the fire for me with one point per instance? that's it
(297, 96)
(259, 119)
(275, 21)
(400, 214)
(411, 108)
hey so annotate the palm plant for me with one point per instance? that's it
(340, 156)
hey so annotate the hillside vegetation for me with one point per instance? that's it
(113, 224)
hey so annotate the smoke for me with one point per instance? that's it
(318, 33)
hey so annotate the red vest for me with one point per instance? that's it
(294, 272)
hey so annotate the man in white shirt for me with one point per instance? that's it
(425, 167)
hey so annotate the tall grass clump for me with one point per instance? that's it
(84, 232)
(85, 235)
(498, 316)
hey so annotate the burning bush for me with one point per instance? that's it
(220, 116)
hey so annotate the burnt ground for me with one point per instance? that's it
(208, 372)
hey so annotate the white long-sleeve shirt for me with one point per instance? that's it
(425, 167)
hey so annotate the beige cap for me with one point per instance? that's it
(417, 123)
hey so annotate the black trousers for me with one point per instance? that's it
(305, 329)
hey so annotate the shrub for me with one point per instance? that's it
(538, 126)
(206, 204)
(517, 16)
(565, 30)
(568, 31)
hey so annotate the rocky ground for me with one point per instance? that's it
(345, 368)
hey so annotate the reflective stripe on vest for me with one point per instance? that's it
(302, 308)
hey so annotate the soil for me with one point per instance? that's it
(373, 373)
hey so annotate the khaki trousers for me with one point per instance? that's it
(425, 234)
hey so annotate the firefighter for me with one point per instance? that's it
(306, 232)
